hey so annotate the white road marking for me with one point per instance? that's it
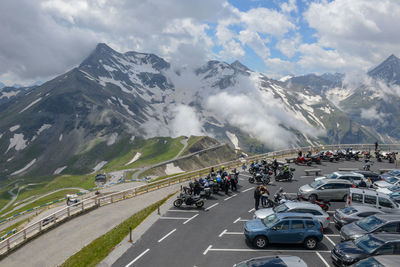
(331, 211)
(174, 218)
(230, 197)
(253, 209)
(212, 206)
(207, 249)
(138, 257)
(248, 189)
(223, 232)
(233, 233)
(331, 222)
(330, 240)
(166, 235)
(241, 179)
(246, 175)
(263, 250)
(195, 211)
(238, 219)
(191, 218)
(324, 261)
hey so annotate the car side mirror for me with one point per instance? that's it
(321, 188)
(274, 228)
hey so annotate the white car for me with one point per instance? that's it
(387, 183)
(300, 207)
(389, 190)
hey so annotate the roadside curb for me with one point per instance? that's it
(137, 233)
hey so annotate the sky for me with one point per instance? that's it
(40, 39)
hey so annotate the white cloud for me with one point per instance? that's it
(289, 6)
(185, 121)
(372, 114)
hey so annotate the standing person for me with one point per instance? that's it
(244, 166)
(257, 196)
(196, 187)
(264, 195)
(227, 182)
(376, 145)
(275, 166)
(300, 154)
(233, 181)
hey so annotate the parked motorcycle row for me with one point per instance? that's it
(263, 172)
(203, 188)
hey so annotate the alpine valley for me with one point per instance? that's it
(90, 113)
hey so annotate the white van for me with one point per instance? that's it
(372, 198)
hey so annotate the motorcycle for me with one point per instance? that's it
(323, 204)
(72, 201)
(260, 178)
(285, 175)
(303, 161)
(189, 200)
(279, 198)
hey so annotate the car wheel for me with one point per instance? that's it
(260, 242)
(313, 197)
(345, 198)
(310, 242)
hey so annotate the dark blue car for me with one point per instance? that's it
(284, 228)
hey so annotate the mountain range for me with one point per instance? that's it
(111, 98)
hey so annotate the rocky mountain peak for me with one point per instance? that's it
(239, 66)
(388, 70)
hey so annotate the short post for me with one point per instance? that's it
(24, 234)
(8, 244)
(158, 209)
(130, 235)
(68, 212)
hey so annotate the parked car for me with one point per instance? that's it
(373, 176)
(350, 252)
(378, 223)
(281, 261)
(326, 189)
(389, 190)
(353, 177)
(353, 213)
(392, 173)
(284, 228)
(372, 198)
(388, 182)
(297, 207)
(379, 261)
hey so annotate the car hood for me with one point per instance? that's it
(352, 229)
(349, 249)
(306, 188)
(262, 213)
(255, 225)
(384, 190)
(383, 184)
(320, 178)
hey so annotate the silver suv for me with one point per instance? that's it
(326, 189)
(353, 177)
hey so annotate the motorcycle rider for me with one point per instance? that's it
(233, 181)
(264, 195)
(227, 183)
(275, 166)
(196, 187)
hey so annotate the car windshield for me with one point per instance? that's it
(370, 262)
(369, 223)
(316, 184)
(394, 172)
(368, 243)
(392, 180)
(270, 220)
(349, 210)
(394, 188)
(280, 208)
(332, 176)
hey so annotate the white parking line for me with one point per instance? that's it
(212, 206)
(191, 218)
(330, 240)
(195, 211)
(207, 249)
(138, 257)
(234, 195)
(253, 209)
(331, 222)
(238, 219)
(319, 255)
(166, 235)
(263, 250)
(223, 232)
(174, 218)
(231, 233)
(248, 189)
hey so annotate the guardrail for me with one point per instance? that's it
(63, 214)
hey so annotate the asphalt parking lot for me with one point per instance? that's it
(213, 236)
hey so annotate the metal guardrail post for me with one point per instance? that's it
(24, 234)
(147, 188)
(40, 226)
(8, 244)
(111, 199)
(83, 208)
(68, 212)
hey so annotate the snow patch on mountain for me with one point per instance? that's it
(170, 169)
(59, 170)
(233, 138)
(112, 139)
(30, 164)
(60, 137)
(135, 158)
(18, 142)
(42, 128)
(31, 104)
(14, 128)
(99, 166)
(285, 78)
